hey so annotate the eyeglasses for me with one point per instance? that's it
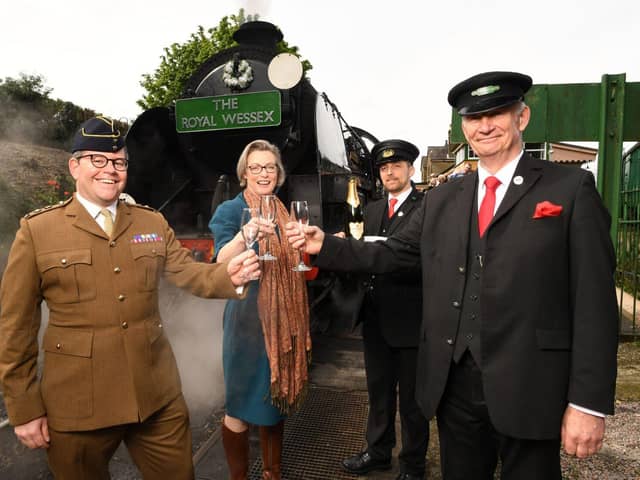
(100, 161)
(256, 169)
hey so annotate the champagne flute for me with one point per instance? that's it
(267, 214)
(249, 226)
(300, 214)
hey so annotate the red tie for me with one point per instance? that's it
(392, 206)
(485, 214)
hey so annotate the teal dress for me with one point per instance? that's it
(246, 367)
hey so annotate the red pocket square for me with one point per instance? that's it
(547, 209)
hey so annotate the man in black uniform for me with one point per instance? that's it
(391, 315)
(518, 341)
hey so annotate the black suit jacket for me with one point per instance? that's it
(548, 305)
(393, 300)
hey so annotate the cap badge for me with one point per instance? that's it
(389, 152)
(486, 90)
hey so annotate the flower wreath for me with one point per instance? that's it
(237, 74)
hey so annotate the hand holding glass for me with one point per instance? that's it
(268, 214)
(300, 214)
(249, 226)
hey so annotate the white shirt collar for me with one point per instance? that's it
(505, 174)
(400, 197)
(94, 210)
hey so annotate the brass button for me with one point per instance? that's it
(63, 261)
(121, 297)
(450, 341)
(456, 304)
(159, 325)
(58, 346)
(125, 325)
(461, 269)
(116, 270)
(112, 244)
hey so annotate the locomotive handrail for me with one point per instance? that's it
(174, 194)
(348, 127)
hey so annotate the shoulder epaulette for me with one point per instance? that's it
(139, 205)
(48, 208)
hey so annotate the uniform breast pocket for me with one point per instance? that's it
(67, 275)
(149, 260)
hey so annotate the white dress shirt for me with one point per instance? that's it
(94, 210)
(401, 197)
(505, 174)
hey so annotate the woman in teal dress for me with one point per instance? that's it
(266, 341)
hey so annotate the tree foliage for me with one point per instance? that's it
(28, 114)
(181, 60)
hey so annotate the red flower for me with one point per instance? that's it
(547, 209)
(52, 183)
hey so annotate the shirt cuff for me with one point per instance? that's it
(586, 410)
(240, 290)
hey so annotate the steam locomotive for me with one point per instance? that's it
(183, 158)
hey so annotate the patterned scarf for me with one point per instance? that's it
(284, 313)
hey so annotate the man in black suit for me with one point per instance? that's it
(390, 315)
(518, 342)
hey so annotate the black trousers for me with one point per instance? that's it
(470, 446)
(391, 373)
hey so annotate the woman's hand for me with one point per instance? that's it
(266, 228)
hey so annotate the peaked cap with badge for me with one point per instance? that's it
(488, 91)
(99, 134)
(393, 151)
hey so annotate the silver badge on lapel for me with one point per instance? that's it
(400, 213)
(518, 180)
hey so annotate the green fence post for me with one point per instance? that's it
(610, 145)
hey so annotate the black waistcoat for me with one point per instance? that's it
(469, 325)
(386, 222)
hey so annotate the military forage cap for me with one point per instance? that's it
(488, 91)
(99, 134)
(393, 151)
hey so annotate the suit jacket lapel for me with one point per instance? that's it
(123, 220)
(466, 199)
(83, 220)
(409, 204)
(529, 174)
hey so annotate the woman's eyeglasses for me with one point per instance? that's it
(256, 169)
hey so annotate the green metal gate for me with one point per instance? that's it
(609, 113)
(628, 245)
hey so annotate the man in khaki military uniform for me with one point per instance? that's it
(109, 371)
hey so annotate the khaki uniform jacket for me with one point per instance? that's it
(107, 360)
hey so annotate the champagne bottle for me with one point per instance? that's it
(354, 217)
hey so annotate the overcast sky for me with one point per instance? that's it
(388, 68)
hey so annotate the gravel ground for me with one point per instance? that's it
(619, 458)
